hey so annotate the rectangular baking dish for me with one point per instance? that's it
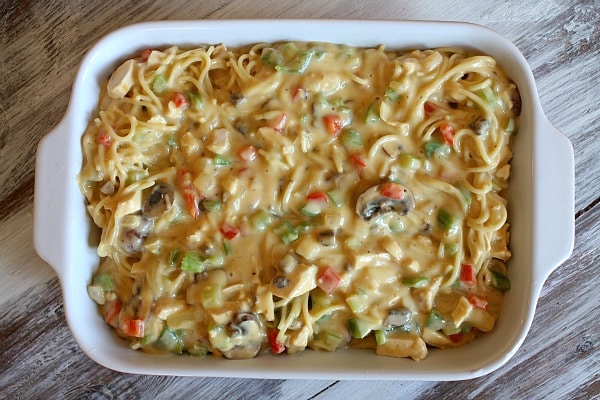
(541, 203)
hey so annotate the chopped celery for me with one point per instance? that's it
(260, 220)
(432, 147)
(198, 350)
(320, 299)
(299, 64)
(392, 94)
(218, 338)
(408, 161)
(511, 126)
(303, 227)
(172, 142)
(134, 176)
(159, 84)
(466, 194)
(197, 262)
(194, 262)
(451, 329)
(416, 281)
(500, 281)
(195, 99)
(351, 138)
(286, 232)
(336, 196)
(357, 303)
(105, 281)
(488, 95)
(332, 340)
(312, 208)
(396, 225)
(450, 249)
(321, 101)
(211, 297)
(211, 205)
(447, 221)
(272, 57)
(221, 161)
(380, 336)
(359, 328)
(435, 321)
(171, 340)
(277, 59)
(372, 114)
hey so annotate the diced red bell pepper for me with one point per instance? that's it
(179, 100)
(111, 312)
(478, 301)
(457, 337)
(447, 132)
(318, 196)
(392, 190)
(276, 346)
(278, 123)
(189, 193)
(230, 231)
(191, 199)
(145, 54)
(333, 124)
(467, 275)
(358, 160)
(429, 108)
(248, 153)
(104, 138)
(134, 328)
(328, 279)
(299, 92)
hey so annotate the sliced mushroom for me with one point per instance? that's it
(159, 201)
(515, 98)
(372, 202)
(326, 238)
(401, 320)
(246, 333)
(242, 127)
(481, 126)
(397, 318)
(237, 99)
(135, 228)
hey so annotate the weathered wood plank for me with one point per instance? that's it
(41, 45)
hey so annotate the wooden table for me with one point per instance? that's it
(42, 44)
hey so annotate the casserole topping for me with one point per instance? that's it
(297, 195)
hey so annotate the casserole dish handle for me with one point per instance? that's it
(51, 202)
(555, 199)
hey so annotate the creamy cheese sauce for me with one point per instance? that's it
(296, 195)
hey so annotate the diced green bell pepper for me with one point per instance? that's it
(500, 281)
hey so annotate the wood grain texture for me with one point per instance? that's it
(41, 45)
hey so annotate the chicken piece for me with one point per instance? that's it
(121, 80)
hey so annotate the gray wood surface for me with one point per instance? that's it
(41, 45)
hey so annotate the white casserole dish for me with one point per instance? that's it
(541, 217)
